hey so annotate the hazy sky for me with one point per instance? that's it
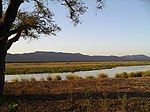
(121, 28)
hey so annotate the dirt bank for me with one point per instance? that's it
(85, 95)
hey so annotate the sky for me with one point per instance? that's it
(121, 28)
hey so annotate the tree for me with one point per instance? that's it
(16, 23)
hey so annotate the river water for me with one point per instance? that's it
(110, 73)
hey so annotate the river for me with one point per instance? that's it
(110, 73)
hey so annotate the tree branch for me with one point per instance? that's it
(20, 28)
(12, 40)
(72, 11)
(1, 9)
(11, 14)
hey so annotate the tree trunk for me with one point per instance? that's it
(2, 65)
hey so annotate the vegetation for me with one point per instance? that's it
(16, 22)
(15, 80)
(42, 79)
(121, 75)
(57, 77)
(133, 74)
(102, 95)
(32, 79)
(89, 76)
(12, 107)
(49, 78)
(72, 77)
(102, 75)
(75, 76)
(24, 79)
(146, 74)
(59, 67)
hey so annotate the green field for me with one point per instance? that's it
(60, 67)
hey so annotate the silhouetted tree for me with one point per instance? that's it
(16, 23)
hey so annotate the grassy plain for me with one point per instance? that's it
(57, 67)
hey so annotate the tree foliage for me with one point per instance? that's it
(16, 22)
(39, 20)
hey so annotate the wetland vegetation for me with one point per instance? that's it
(60, 67)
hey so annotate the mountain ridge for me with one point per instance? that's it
(42, 56)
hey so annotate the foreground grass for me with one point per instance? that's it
(86, 95)
(60, 67)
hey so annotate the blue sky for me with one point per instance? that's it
(121, 28)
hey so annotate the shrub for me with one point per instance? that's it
(57, 77)
(135, 74)
(102, 75)
(24, 79)
(132, 74)
(49, 78)
(15, 80)
(42, 79)
(146, 74)
(121, 75)
(32, 79)
(72, 77)
(12, 107)
(139, 74)
(89, 77)
(117, 76)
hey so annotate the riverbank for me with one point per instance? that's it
(61, 67)
(87, 95)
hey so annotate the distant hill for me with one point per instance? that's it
(60, 56)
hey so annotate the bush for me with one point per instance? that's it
(132, 74)
(57, 77)
(121, 75)
(49, 78)
(118, 76)
(89, 77)
(146, 74)
(42, 79)
(102, 75)
(12, 107)
(72, 77)
(24, 79)
(135, 74)
(32, 79)
(15, 80)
